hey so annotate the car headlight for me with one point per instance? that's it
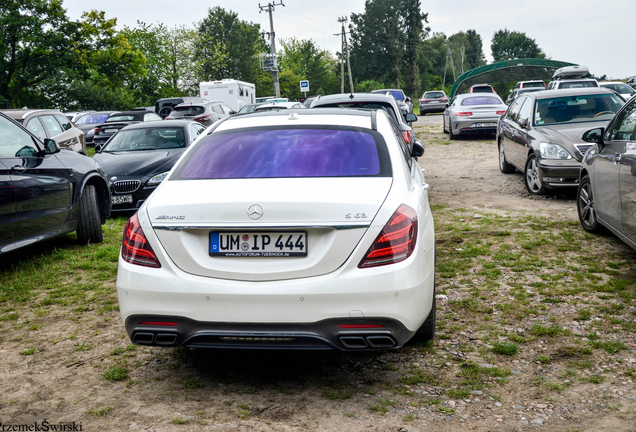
(157, 179)
(553, 151)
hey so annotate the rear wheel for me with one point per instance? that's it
(504, 166)
(533, 181)
(451, 135)
(426, 332)
(444, 123)
(586, 208)
(89, 226)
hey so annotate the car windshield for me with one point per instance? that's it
(92, 118)
(120, 118)
(182, 111)
(481, 100)
(397, 94)
(280, 153)
(534, 84)
(576, 109)
(146, 139)
(619, 88)
(434, 95)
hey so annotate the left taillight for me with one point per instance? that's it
(407, 136)
(135, 247)
(501, 112)
(396, 242)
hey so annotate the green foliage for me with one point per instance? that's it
(304, 60)
(505, 348)
(116, 373)
(507, 45)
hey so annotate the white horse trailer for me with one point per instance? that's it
(234, 93)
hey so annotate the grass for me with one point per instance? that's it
(101, 412)
(505, 348)
(116, 373)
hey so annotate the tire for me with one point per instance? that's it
(586, 209)
(504, 166)
(533, 182)
(89, 226)
(451, 135)
(165, 112)
(444, 123)
(426, 332)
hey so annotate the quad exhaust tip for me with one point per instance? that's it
(372, 341)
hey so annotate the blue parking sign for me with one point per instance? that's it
(304, 86)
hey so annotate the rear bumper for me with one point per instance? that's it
(325, 334)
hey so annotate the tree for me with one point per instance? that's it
(415, 33)
(227, 47)
(474, 50)
(508, 45)
(36, 39)
(304, 60)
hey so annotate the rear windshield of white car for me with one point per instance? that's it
(576, 109)
(481, 100)
(434, 95)
(534, 84)
(291, 152)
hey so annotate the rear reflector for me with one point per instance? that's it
(159, 323)
(135, 248)
(359, 326)
(396, 242)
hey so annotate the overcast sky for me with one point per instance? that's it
(591, 33)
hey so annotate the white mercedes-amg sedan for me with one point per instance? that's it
(285, 230)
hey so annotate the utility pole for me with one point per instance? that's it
(344, 47)
(270, 8)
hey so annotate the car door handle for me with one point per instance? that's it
(18, 168)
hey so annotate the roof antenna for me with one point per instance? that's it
(351, 96)
(292, 116)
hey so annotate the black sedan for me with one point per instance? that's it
(540, 134)
(606, 196)
(46, 192)
(140, 156)
(119, 120)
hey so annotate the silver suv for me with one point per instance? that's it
(204, 113)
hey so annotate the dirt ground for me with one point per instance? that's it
(64, 379)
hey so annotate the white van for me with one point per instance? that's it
(234, 93)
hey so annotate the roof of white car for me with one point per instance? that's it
(310, 117)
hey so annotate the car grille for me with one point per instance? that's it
(583, 148)
(126, 186)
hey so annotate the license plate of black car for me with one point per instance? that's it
(124, 199)
(258, 244)
(110, 130)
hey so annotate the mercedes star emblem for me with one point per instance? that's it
(255, 211)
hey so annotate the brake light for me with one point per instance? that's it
(203, 118)
(97, 130)
(424, 100)
(396, 242)
(159, 323)
(463, 113)
(443, 99)
(501, 112)
(407, 136)
(135, 248)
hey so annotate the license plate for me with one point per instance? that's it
(121, 199)
(485, 125)
(110, 130)
(258, 244)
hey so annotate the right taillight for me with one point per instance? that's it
(396, 242)
(203, 118)
(135, 248)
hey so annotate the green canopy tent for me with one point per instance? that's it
(508, 71)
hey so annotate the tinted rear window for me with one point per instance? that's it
(482, 100)
(92, 118)
(182, 111)
(434, 95)
(121, 118)
(290, 152)
(537, 84)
